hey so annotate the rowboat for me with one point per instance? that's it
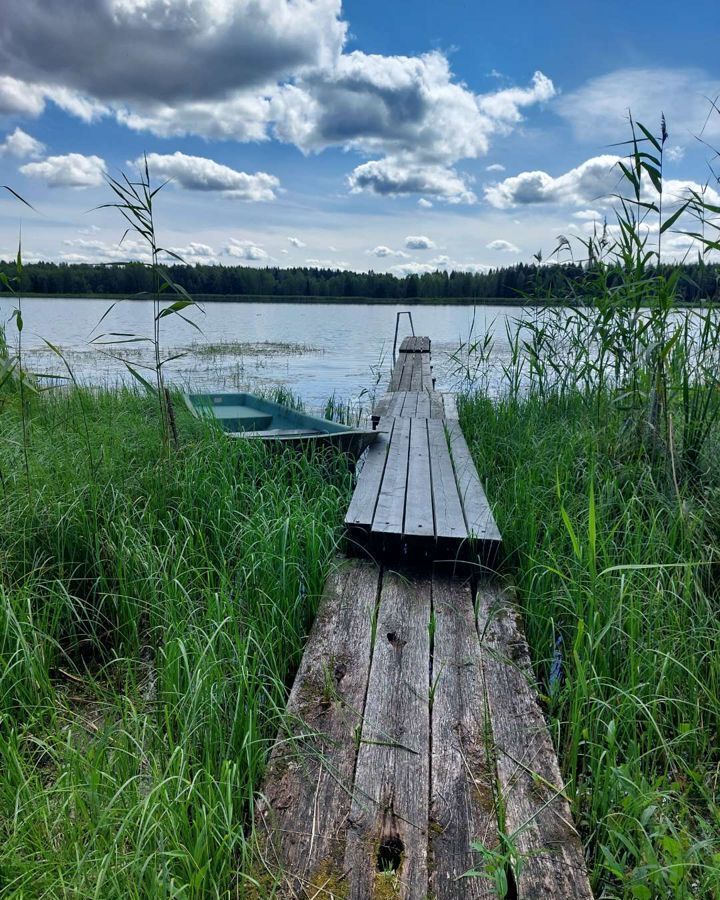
(249, 416)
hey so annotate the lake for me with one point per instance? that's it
(316, 350)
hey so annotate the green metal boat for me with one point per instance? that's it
(248, 416)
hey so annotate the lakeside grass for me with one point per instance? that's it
(617, 579)
(153, 609)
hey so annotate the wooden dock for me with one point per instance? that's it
(418, 497)
(414, 749)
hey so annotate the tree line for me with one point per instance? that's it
(699, 282)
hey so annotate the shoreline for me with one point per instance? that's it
(334, 301)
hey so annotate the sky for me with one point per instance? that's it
(395, 136)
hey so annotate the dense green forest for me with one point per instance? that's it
(699, 282)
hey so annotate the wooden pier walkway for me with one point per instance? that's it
(415, 749)
(418, 497)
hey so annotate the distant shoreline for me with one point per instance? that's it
(335, 301)
(277, 298)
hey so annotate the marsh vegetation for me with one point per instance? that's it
(156, 591)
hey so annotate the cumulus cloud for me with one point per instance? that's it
(382, 251)
(595, 178)
(419, 242)
(502, 246)
(326, 264)
(247, 250)
(296, 242)
(587, 215)
(195, 252)
(72, 170)
(18, 97)
(196, 173)
(22, 145)
(410, 111)
(599, 109)
(248, 70)
(440, 263)
(392, 177)
(166, 50)
(424, 203)
(495, 167)
(96, 250)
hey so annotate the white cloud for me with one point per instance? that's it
(674, 153)
(425, 204)
(326, 264)
(495, 167)
(249, 69)
(419, 242)
(440, 263)
(599, 109)
(502, 246)
(245, 116)
(196, 173)
(83, 250)
(72, 170)
(392, 177)
(149, 51)
(296, 242)
(22, 145)
(382, 251)
(587, 215)
(18, 97)
(594, 179)
(195, 252)
(247, 250)
(413, 268)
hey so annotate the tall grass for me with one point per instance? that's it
(600, 450)
(151, 617)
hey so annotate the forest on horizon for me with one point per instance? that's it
(699, 282)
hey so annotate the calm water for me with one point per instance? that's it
(313, 349)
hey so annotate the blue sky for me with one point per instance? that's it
(401, 136)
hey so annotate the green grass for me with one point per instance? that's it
(153, 608)
(617, 581)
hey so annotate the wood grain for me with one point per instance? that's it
(462, 805)
(537, 815)
(389, 812)
(309, 779)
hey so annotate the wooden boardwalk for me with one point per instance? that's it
(418, 497)
(414, 749)
(414, 732)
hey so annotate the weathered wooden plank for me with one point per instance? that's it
(416, 383)
(388, 823)
(450, 404)
(303, 811)
(410, 405)
(397, 372)
(478, 515)
(423, 405)
(537, 815)
(393, 404)
(462, 799)
(365, 497)
(406, 381)
(415, 344)
(418, 498)
(437, 407)
(449, 518)
(390, 507)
